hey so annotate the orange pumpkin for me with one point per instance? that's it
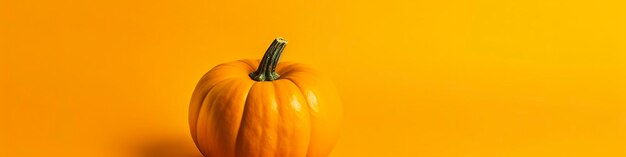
(285, 109)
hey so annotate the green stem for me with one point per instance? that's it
(267, 68)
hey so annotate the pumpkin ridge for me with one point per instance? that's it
(279, 117)
(242, 84)
(245, 110)
(199, 109)
(309, 110)
(205, 78)
(306, 103)
(245, 95)
(212, 103)
(202, 106)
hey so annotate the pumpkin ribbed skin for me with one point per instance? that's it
(232, 115)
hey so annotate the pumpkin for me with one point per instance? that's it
(264, 108)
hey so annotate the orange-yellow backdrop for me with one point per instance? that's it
(451, 78)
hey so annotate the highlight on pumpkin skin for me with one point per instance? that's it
(267, 68)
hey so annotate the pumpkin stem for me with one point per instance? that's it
(267, 68)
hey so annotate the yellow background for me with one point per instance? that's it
(480, 78)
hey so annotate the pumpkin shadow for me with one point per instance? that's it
(166, 147)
